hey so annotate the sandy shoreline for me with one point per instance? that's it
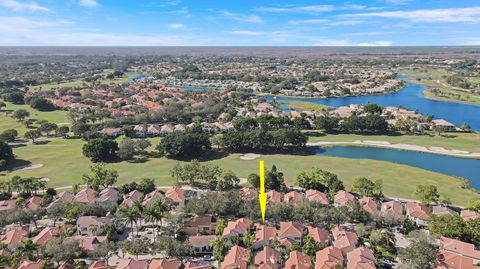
(386, 144)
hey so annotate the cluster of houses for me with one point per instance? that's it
(394, 114)
(342, 245)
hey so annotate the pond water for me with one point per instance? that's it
(188, 88)
(410, 97)
(453, 166)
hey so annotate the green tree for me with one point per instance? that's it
(185, 145)
(421, 253)
(80, 128)
(219, 248)
(100, 149)
(227, 180)
(366, 187)
(20, 114)
(448, 225)
(474, 204)
(372, 108)
(427, 193)
(8, 135)
(6, 154)
(100, 176)
(32, 135)
(47, 127)
(248, 240)
(254, 180)
(274, 180)
(62, 130)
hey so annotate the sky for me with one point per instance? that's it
(239, 23)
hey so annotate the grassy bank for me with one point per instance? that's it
(294, 105)
(64, 164)
(459, 141)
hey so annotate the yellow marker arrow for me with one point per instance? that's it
(262, 197)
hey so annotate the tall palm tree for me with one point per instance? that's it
(152, 215)
(28, 249)
(132, 216)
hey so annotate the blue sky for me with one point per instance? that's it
(239, 23)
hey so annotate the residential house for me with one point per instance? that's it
(237, 258)
(291, 230)
(469, 214)
(319, 235)
(329, 258)
(369, 205)
(200, 225)
(452, 247)
(132, 264)
(130, 198)
(13, 238)
(164, 264)
(443, 210)
(62, 198)
(151, 197)
(263, 235)
(268, 258)
(31, 265)
(274, 196)
(237, 227)
(85, 196)
(32, 204)
(342, 198)
(46, 235)
(293, 198)
(298, 260)
(418, 213)
(201, 244)
(88, 243)
(361, 258)
(101, 264)
(393, 208)
(91, 225)
(108, 196)
(344, 240)
(8, 205)
(315, 196)
(445, 125)
(177, 196)
(197, 265)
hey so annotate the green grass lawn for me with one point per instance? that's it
(64, 165)
(305, 106)
(81, 83)
(459, 141)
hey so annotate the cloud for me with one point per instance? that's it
(88, 3)
(309, 21)
(247, 32)
(24, 24)
(376, 44)
(20, 6)
(297, 9)
(447, 15)
(242, 17)
(176, 26)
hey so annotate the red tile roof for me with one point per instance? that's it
(164, 264)
(361, 258)
(298, 260)
(236, 258)
(328, 258)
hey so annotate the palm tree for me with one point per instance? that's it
(151, 215)
(28, 249)
(132, 216)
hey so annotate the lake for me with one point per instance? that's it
(188, 88)
(410, 97)
(453, 166)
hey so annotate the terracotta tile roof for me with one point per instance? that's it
(344, 240)
(393, 207)
(85, 196)
(290, 229)
(129, 199)
(328, 258)
(132, 264)
(293, 198)
(287, 242)
(164, 264)
(152, 197)
(89, 243)
(274, 196)
(459, 247)
(199, 241)
(298, 260)
(196, 265)
(249, 192)
(7, 205)
(368, 204)
(200, 221)
(86, 221)
(31, 265)
(237, 227)
(448, 260)
(98, 265)
(469, 214)
(417, 210)
(14, 237)
(236, 258)
(176, 195)
(343, 197)
(65, 265)
(62, 197)
(267, 258)
(361, 258)
(108, 195)
(265, 233)
(317, 197)
(320, 235)
(46, 235)
(33, 203)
